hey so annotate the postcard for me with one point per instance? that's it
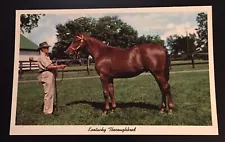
(114, 71)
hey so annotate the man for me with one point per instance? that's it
(47, 77)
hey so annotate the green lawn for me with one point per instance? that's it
(189, 67)
(81, 102)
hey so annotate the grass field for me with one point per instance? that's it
(81, 101)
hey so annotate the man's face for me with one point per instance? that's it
(45, 50)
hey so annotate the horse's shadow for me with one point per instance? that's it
(100, 105)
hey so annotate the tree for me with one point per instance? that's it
(143, 39)
(202, 31)
(182, 44)
(66, 32)
(157, 39)
(111, 30)
(29, 21)
(115, 32)
(150, 39)
(172, 43)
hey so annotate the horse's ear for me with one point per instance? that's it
(79, 34)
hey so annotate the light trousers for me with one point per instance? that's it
(47, 79)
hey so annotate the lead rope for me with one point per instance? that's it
(56, 91)
(62, 75)
(56, 94)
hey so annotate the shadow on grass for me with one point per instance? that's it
(100, 105)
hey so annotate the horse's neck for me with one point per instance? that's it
(95, 48)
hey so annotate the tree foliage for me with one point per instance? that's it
(202, 31)
(29, 21)
(182, 44)
(150, 39)
(189, 44)
(115, 32)
(111, 30)
(66, 32)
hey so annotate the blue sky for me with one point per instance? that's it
(147, 23)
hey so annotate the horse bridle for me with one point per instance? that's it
(81, 42)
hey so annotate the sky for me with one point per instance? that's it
(146, 23)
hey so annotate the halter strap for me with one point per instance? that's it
(82, 37)
(71, 47)
(81, 41)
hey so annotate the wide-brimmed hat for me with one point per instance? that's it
(44, 45)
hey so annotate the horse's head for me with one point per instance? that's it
(77, 43)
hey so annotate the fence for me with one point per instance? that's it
(25, 66)
(32, 66)
(192, 58)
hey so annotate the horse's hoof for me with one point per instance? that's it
(113, 110)
(170, 111)
(161, 111)
(105, 112)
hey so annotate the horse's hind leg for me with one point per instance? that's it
(163, 103)
(165, 89)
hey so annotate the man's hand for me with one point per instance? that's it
(62, 66)
(52, 66)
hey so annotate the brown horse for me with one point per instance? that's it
(112, 62)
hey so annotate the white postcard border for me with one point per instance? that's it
(139, 129)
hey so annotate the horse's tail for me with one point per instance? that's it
(167, 66)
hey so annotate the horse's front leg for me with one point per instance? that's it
(105, 84)
(111, 93)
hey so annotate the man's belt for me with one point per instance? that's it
(53, 71)
(43, 71)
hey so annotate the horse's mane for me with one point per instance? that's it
(98, 41)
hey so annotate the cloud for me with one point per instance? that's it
(153, 23)
(51, 40)
(178, 29)
(160, 23)
(145, 23)
(46, 27)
